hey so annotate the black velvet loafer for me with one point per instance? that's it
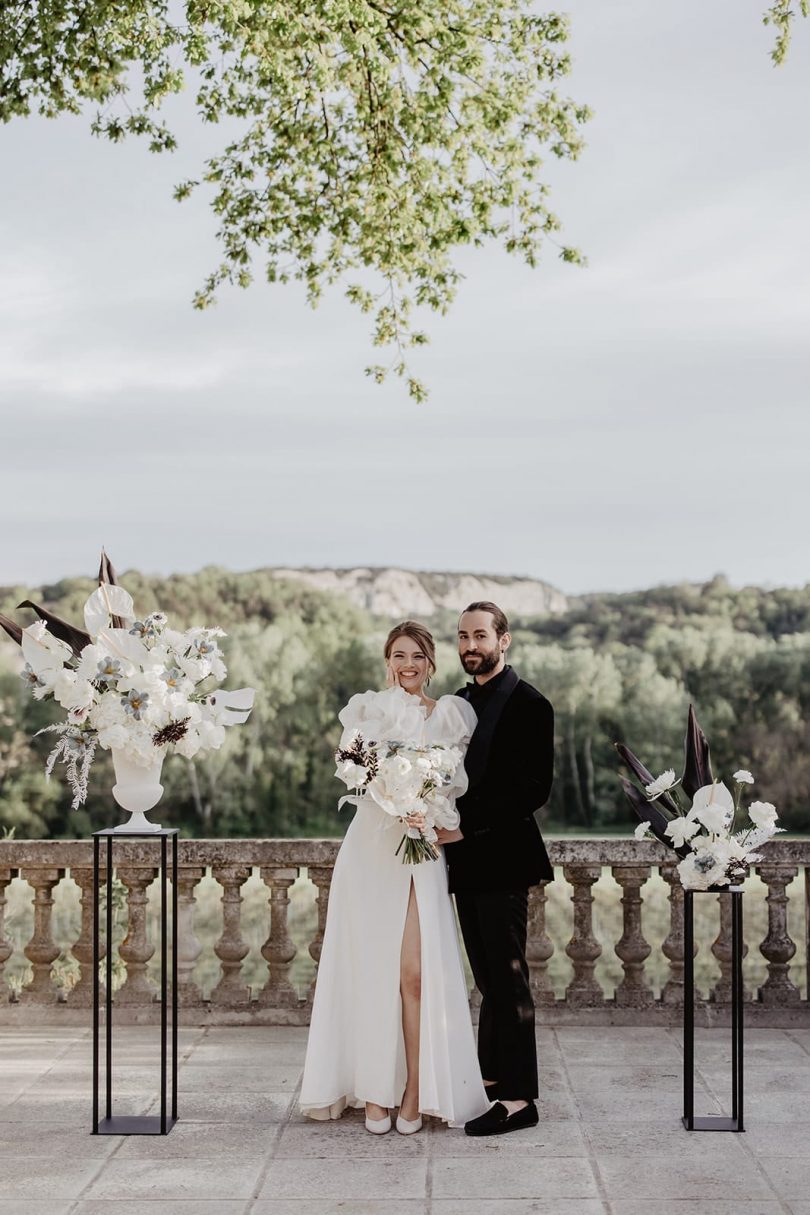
(498, 1120)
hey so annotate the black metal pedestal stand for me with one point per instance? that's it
(714, 1122)
(141, 1124)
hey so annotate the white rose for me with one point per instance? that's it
(762, 814)
(71, 692)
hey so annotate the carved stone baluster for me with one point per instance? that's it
(41, 951)
(721, 948)
(778, 947)
(321, 877)
(6, 948)
(673, 946)
(539, 948)
(231, 949)
(82, 949)
(188, 947)
(278, 950)
(584, 991)
(634, 991)
(136, 949)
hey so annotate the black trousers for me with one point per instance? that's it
(494, 929)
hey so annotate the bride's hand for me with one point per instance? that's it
(391, 677)
(417, 820)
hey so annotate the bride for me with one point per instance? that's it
(390, 1019)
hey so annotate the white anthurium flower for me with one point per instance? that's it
(45, 654)
(105, 602)
(353, 775)
(643, 831)
(762, 814)
(661, 783)
(233, 708)
(680, 830)
(713, 806)
(119, 643)
(743, 777)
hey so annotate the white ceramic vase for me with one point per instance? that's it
(137, 788)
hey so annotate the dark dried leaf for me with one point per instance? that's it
(106, 573)
(697, 769)
(644, 775)
(648, 812)
(77, 639)
(14, 631)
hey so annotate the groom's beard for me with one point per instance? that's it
(481, 662)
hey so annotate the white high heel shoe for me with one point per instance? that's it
(409, 1128)
(378, 1126)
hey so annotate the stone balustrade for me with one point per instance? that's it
(579, 864)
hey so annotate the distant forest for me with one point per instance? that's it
(616, 667)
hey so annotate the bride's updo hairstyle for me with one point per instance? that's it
(417, 633)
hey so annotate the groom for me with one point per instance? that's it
(496, 854)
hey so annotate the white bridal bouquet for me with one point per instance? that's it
(403, 779)
(713, 835)
(135, 687)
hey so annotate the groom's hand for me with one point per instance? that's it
(443, 836)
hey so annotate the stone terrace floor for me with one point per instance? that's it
(609, 1140)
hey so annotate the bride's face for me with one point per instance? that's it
(408, 665)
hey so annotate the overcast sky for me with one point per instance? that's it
(641, 421)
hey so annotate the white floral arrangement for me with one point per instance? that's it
(715, 837)
(131, 685)
(405, 780)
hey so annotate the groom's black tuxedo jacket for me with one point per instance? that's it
(510, 765)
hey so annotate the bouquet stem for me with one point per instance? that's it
(416, 850)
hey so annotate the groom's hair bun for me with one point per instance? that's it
(498, 615)
(418, 633)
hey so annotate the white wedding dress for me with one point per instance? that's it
(356, 1050)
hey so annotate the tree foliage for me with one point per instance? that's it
(373, 138)
(616, 667)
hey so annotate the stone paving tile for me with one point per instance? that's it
(601, 1051)
(737, 1206)
(60, 1140)
(521, 1206)
(638, 1079)
(338, 1206)
(663, 1108)
(204, 1140)
(171, 1206)
(47, 1106)
(347, 1137)
(256, 1079)
(548, 1138)
(773, 1107)
(13, 1206)
(664, 1177)
(232, 1107)
(779, 1139)
(35, 1178)
(661, 1139)
(158, 1179)
(350, 1179)
(760, 1080)
(560, 1177)
(788, 1175)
